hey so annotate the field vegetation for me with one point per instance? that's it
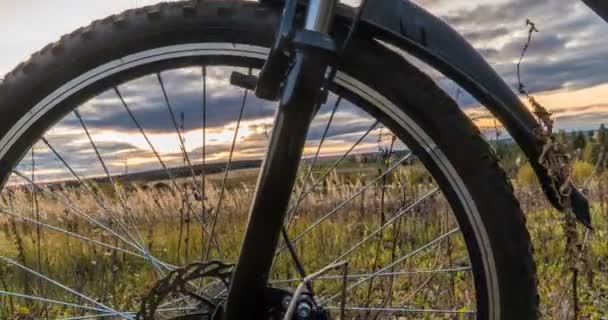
(572, 262)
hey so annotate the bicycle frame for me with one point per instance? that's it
(419, 33)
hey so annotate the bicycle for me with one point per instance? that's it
(322, 55)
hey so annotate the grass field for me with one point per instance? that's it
(172, 232)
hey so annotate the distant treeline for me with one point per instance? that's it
(582, 145)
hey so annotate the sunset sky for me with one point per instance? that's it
(565, 66)
(566, 69)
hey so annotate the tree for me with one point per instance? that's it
(602, 136)
(562, 137)
(580, 141)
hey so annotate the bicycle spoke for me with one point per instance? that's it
(396, 262)
(314, 160)
(158, 157)
(152, 148)
(119, 193)
(291, 211)
(399, 214)
(384, 274)
(348, 200)
(218, 206)
(111, 180)
(90, 191)
(203, 195)
(78, 210)
(186, 157)
(423, 285)
(69, 233)
(51, 301)
(180, 137)
(391, 221)
(97, 316)
(58, 284)
(106, 315)
(36, 214)
(284, 231)
(397, 311)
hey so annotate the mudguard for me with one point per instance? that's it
(411, 28)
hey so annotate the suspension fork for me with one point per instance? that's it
(301, 92)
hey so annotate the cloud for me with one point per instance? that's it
(567, 56)
(123, 148)
(28, 25)
(184, 88)
(504, 12)
(584, 117)
(566, 53)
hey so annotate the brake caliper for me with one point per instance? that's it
(182, 282)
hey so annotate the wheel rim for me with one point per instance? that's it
(135, 241)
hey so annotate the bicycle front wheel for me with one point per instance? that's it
(126, 154)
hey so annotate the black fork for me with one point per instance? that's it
(298, 80)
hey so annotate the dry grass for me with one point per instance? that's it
(173, 233)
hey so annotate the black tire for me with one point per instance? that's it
(474, 169)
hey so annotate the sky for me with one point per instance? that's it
(565, 66)
(565, 69)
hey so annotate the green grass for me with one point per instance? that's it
(174, 235)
